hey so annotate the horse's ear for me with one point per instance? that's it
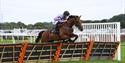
(80, 16)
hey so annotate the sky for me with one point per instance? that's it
(32, 11)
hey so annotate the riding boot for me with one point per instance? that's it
(56, 29)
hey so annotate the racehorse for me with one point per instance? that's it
(65, 31)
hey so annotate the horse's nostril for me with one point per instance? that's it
(81, 29)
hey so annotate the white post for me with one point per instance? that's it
(1, 37)
(13, 39)
(23, 39)
(119, 52)
(118, 39)
(31, 39)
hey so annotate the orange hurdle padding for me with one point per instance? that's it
(57, 53)
(88, 51)
(114, 53)
(22, 52)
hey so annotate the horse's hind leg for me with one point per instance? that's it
(37, 40)
(39, 37)
(51, 41)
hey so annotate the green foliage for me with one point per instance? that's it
(30, 26)
(21, 25)
(117, 18)
(38, 25)
(12, 25)
(48, 25)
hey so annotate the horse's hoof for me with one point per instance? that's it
(73, 41)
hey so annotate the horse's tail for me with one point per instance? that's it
(39, 37)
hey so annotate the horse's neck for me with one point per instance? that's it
(67, 26)
(69, 23)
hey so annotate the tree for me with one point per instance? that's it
(29, 26)
(14, 25)
(38, 25)
(48, 25)
(119, 18)
(104, 20)
(21, 25)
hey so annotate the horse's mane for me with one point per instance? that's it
(72, 16)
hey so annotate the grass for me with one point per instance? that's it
(94, 61)
(123, 52)
(6, 41)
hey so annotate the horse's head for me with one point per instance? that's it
(75, 20)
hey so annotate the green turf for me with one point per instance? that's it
(94, 61)
(8, 41)
(5, 41)
(123, 52)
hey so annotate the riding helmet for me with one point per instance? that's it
(66, 13)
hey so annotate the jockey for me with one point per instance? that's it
(60, 19)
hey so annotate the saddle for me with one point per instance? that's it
(55, 31)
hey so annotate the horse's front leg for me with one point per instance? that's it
(69, 37)
(73, 35)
